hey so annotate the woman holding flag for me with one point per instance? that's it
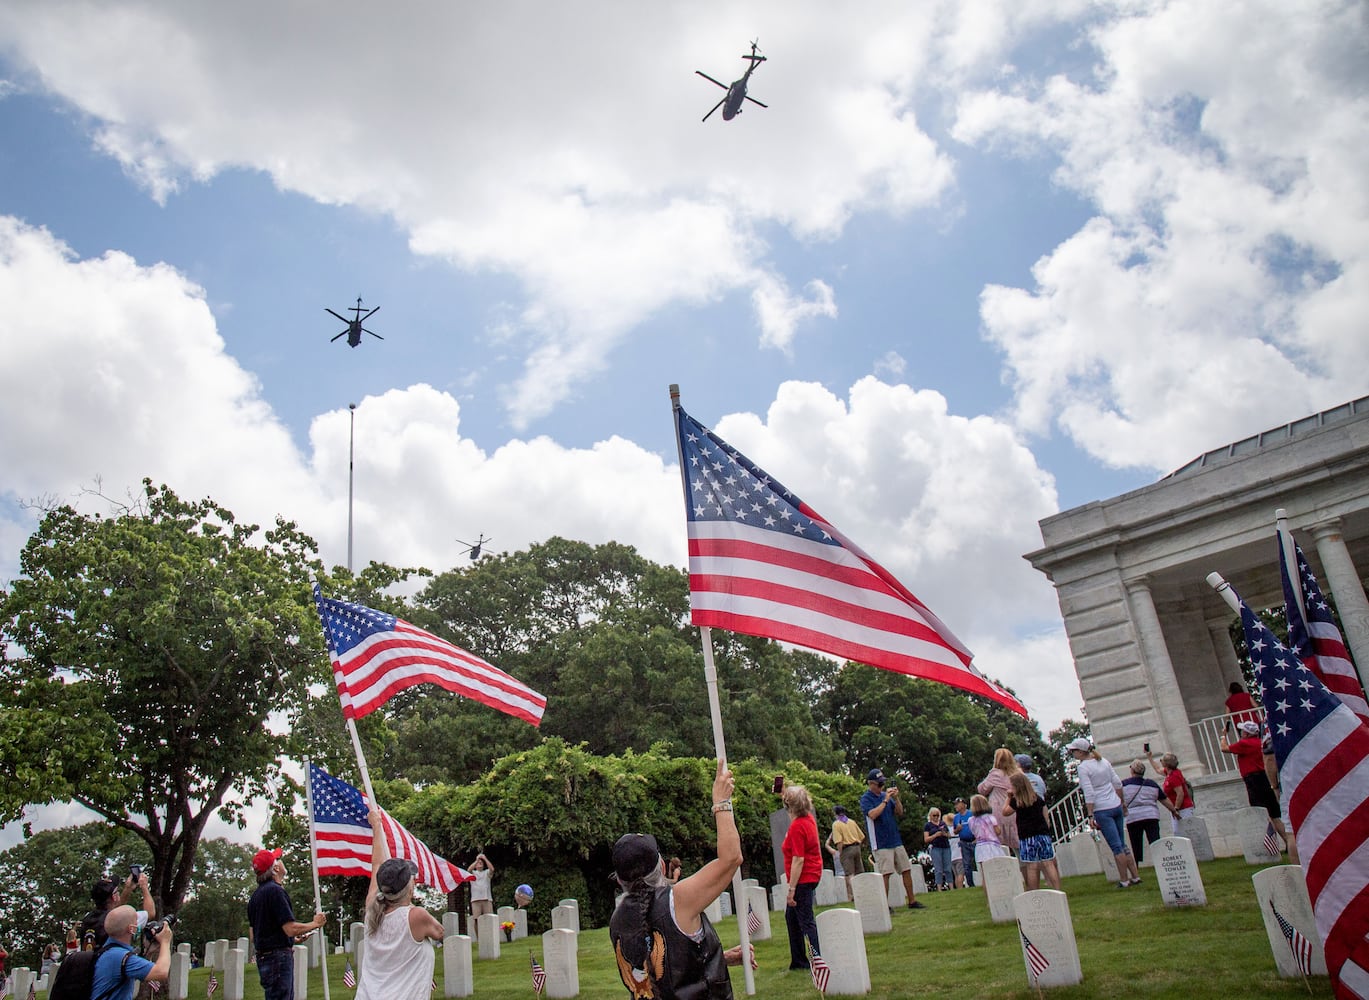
(399, 951)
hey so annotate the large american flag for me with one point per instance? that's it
(1322, 749)
(342, 836)
(763, 562)
(1313, 632)
(376, 655)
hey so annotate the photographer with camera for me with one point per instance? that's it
(106, 894)
(118, 967)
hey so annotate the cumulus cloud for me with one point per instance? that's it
(1213, 291)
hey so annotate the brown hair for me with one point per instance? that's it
(979, 805)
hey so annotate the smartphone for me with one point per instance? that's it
(1146, 747)
(778, 787)
(134, 871)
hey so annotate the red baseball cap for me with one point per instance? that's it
(264, 859)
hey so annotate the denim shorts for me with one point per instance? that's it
(1110, 826)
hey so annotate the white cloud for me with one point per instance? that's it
(1214, 291)
(780, 313)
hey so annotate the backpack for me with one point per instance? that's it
(75, 977)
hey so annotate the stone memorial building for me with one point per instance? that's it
(1149, 637)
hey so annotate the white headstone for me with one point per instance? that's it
(490, 934)
(561, 961)
(1043, 920)
(1254, 825)
(759, 905)
(1002, 884)
(1106, 861)
(244, 945)
(871, 903)
(1086, 855)
(779, 893)
(843, 949)
(574, 905)
(1283, 888)
(919, 881)
(184, 948)
(20, 980)
(233, 968)
(210, 947)
(714, 911)
(301, 972)
(831, 889)
(563, 918)
(458, 970)
(178, 982)
(750, 883)
(520, 924)
(1194, 830)
(1067, 858)
(356, 938)
(725, 900)
(1176, 873)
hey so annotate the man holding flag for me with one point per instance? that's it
(274, 927)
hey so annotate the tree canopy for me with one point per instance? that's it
(162, 654)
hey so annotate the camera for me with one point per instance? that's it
(1146, 747)
(778, 786)
(154, 927)
(134, 871)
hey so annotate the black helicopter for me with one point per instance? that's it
(736, 94)
(354, 328)
(474, 549)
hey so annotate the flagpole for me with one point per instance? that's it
(1290, 559)
(313, 863)
(719, 746)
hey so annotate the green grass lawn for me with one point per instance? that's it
(1130, 946)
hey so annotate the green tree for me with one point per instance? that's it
(151, 647)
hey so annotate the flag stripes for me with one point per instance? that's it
(1300, 946)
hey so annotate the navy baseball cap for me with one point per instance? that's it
(875, 775)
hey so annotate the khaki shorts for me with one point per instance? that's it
(892, 860)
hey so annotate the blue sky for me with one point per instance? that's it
(976, 263)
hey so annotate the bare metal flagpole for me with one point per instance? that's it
(313, 863)
(719, 747)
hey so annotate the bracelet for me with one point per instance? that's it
(725, 806)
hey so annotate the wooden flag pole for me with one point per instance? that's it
(719, 745)
(313, 863)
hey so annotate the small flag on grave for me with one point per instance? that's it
(1299, 945)
(753, 922)
(1036, 959)
(349, 976)
(822, 972)
(1271, 841)
(539, 975)
(213, 984)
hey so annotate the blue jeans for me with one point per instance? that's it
(799, 921)
(967, 861)
(277, 972)
(941, 866)
(1110, 826)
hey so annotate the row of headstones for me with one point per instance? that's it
(560, 952)
(1089, 855)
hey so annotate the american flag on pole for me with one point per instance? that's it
(539, 975)
(154, 986)
(764, 563)
(822, 972)
(753, 921)
(349, 976)
(1271, 840)
(213, 984)
(4, 987)
(1037, 962)
(1299, 945)
(1322, 749)
(1312, 632)
(343, 836)
(376, 655)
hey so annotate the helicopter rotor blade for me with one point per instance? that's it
(376, 335)
(338, 337)
(371, 312)
(343, 318)
(754, 101)
(715, 108)
(710, 79)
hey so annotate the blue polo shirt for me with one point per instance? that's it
(112, 983)
(883, 829)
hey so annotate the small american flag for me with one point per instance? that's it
(539, 975)
(213, 984)
(376, 655)
(1036, 959)
(342, 836)
(33, 990)
(1299, 945)
(4, 987)
(762, 562)
(154, 986)
(753, 922)
(1271, 841)
(432, 987)
(349, 976)
(1322, 749)
(1312, 632)
(822, 972)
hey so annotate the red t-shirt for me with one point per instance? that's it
(1249, 755)
(1175, 780)
(802, 841)
(1240, 702)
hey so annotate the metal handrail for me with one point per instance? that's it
(1068, 816)
(1208, 735)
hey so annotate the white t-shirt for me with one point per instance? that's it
(480, 888)
(394, 966)
(1099, 783)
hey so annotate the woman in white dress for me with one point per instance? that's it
(399, 935)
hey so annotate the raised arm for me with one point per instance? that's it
(693, 894)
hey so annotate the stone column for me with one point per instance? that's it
(1344, 584)
(1170, 710)
(1227, 662)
